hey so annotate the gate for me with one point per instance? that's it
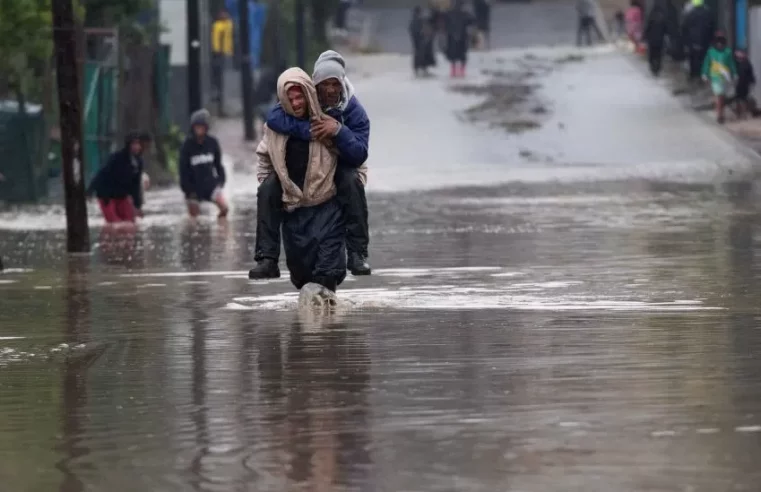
(100, 96)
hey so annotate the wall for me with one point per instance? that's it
(174, 14)
(754, 43)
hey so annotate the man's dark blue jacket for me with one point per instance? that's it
(352, 140)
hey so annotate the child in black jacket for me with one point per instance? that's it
(202, 175)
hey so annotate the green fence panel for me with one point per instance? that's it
(91, 123)
(161, 81)
(23, 145)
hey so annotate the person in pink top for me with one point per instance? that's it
(634, 23)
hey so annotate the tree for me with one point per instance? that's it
(25, 31)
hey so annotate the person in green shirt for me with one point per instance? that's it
(719, 68)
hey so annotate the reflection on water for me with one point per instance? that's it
(74, 372)
(581, 374)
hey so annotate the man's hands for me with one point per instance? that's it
(325, 128)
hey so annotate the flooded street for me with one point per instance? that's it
(573, 308)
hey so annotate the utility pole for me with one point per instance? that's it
(247, 85)
(70, 107)
(300, 48)
(194, 57)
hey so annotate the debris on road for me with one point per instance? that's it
(510, 99)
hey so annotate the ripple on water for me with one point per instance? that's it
(475, 292)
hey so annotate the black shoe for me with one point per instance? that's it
(358, 265)
(267, 268)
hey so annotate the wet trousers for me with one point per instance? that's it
(117, 209)
(314, 243)
(697, 56)
(269, 214)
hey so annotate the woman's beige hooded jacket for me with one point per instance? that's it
(319, 186)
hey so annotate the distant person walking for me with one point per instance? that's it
(482, 11)
(458, 24)
(633, 17)
(422, 35)
(719, 68)
(746, 79)
(655, 35)
(587, 23)
(342, 16)
(698, 27)
(221, 51)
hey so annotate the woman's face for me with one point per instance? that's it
(298, 101)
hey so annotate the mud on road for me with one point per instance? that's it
(512, 98)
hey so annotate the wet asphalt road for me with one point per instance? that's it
(515, 25)
(597, 332)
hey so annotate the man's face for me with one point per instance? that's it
(199, 131)
(298, 101)
(329, 92)
(136, 147)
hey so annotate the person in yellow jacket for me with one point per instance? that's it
(222, 34)
(221, 51)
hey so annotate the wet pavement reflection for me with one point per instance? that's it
(544, 338)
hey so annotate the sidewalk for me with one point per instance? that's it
(699, 99)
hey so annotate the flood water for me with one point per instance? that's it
(593, 326)
(529, 338)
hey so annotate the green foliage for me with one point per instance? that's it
(25, 31)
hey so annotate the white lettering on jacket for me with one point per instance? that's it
(201, 159)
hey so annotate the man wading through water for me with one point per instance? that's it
(344, 124)
(313, 224)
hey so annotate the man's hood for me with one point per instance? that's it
(296, 76)
(330, 64)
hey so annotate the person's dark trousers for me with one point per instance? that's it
(217, 75)
(351, 196)
(697, 56)
(269, 217)
(655, 57)
(586, 25)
